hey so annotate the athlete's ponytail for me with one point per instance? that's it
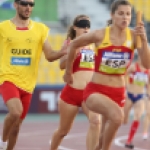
(71, 32)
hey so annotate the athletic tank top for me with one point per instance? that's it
(84, 59)
(113, 60)
(20, 52)
(139, 77)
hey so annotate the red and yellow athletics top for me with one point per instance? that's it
(20, 52)
(113, 60)
(139, 77)
(84, 59)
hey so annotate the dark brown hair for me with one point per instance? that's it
(115, 5)
(71, 32)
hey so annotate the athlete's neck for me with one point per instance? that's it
(117, 31)
(20, 23)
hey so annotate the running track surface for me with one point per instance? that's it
(37, 130)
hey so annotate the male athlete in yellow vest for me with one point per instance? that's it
(21, 44)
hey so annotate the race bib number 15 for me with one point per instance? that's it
(140, 77)
(87, 59)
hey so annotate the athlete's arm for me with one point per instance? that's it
(50, 54)
(144, 51)
(131, 69)
(62, 63)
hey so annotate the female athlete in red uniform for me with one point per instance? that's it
(71, 98)
(138, 79)
(105, 94)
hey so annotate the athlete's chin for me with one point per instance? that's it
(25, 18)
(122, 27)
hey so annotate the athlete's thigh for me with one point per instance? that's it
(92, 116)
(127, 107)
(85, 109)
(67, 113)
(11, 97)
(102, 104)
(25, 100)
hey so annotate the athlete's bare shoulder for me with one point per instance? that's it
(99, 35)
(132, 33)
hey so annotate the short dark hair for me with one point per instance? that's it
(16, 0)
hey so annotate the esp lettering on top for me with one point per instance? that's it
(115, 63)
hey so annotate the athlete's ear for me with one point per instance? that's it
(75, 28)
(68, 40)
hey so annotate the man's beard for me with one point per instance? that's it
(23, 17)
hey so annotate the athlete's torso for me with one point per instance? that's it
(83, 67)
(84, 59)
(111, 62)
(139, 77)
(20, 53)
(138, 80)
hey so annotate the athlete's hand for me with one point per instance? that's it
(68, 78)
(140, 31)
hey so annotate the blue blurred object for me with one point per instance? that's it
(6, 5)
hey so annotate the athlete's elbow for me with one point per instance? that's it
(146, 65)
(62, 67)
(62, 64)
(52, 59)
(73, 46)
(49, 58)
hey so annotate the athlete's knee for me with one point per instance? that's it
(137, 116)
(117, 118)
(15, 114)
(63, 132)
(95, 120)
